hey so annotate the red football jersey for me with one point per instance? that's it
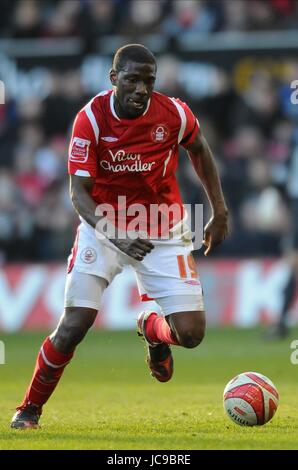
(136, 158)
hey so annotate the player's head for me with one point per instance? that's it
(133, 76)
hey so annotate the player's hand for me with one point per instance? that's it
(215, 232)
(137, 249)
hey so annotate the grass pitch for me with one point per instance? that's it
(107, 400)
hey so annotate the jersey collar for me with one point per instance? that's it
(113, 111)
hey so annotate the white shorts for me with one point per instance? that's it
(169, 270)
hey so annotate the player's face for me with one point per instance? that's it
(134, 85)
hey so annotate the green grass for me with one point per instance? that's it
(107, 400)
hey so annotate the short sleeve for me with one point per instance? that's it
(189, 124)
(82, 148)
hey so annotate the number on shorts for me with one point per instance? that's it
(191, 265)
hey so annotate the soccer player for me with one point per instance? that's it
(281, 328)
(125, 142)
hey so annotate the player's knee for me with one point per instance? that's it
(70, 331)
(191, 338)
(189, 328)
(71, 335)
(66, 338)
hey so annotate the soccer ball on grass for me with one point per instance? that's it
(250, 399)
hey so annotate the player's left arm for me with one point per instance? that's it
(202, 159)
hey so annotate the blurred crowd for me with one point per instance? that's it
(92, 18)
(252, 130)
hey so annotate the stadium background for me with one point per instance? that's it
(233, 61)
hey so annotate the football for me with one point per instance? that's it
(250, 399)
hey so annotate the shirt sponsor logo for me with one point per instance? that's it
(122, 161)
(79, 150)
(160, 133)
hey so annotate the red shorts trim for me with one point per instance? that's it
(145, 298)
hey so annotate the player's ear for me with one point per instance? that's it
(113, 77)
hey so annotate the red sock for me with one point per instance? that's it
(49, 367)
(159, 331)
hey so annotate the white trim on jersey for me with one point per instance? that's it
(167, 161)
(182, 117)
(82, 173)
(113, 107)
(149, 101)
(90, 115)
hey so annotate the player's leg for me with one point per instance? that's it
(288, 296)
(82, 297)
(188, 327)
(177, 289)
(182, 323)
(72, 328)
(280, 330)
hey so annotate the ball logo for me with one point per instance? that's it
(160, 133)
(88, 255)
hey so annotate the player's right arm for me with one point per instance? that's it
(82, 168)
(80, 192)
